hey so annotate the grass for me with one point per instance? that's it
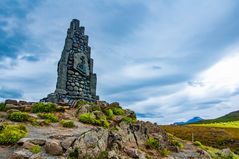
(231, 124)
(67, 123)
(215, 153)
(216, 137)
(49, 116)
(10, 134)
(18, 116)
(43, 107)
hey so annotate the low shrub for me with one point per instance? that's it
(129, 120)
(90, 119)
(60, 109)
(18, 116)
(43, 107)
(118, 111)
(152, 143)
(95, 108)
(68, 123)
(36, 149)
(10, 134)
(109, 113)
(49, 116)
(34, 121)
(2, 106)
(177, 144)
(87, 118)
(165, 152)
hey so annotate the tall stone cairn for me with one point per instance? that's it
(76, 79)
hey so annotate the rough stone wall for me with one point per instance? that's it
(76, 79)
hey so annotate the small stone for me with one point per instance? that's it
(76, 88)
(73, 84)
(70, 88)
(77, 84)
(76, 73)
(71, 72)
(53, 147)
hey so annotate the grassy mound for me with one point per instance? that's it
(10, 134)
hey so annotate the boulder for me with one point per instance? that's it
(10, 101)
(53, 147)
(22, 102)
(92, 143)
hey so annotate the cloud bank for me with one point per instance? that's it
(168, 61)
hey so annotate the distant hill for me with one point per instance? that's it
(193, 120)
(233, 116)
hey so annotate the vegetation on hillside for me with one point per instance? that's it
(216, 137)
(10, 134)
(231, 124)
(233, 116)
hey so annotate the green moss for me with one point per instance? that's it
(109, 113)
(49, 116)
(88, 118)
(129, 119)
(10, 134)
(165, 152)
(43, 108)
(118, 111)
(152, 143)
(2, 106)
(18, 116)
(36, 149)
(68, 123)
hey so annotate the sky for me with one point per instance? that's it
(167, 60)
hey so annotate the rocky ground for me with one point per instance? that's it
(122, 138)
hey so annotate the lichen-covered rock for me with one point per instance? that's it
(53, 147)
(91, 143)
(66, 143)
(21, 154)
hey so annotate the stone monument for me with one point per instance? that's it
(76, 80)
